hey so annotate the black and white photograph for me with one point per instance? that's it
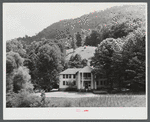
(75, 60)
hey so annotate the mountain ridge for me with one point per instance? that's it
(85, 23)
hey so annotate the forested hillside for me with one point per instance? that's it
(112, 19)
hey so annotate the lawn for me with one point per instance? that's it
(85, 53)
(101, 101)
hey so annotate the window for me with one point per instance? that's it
(63, 82)
(74, 82)
(66, 76)
(106, 82)
(66, 82)
(74, 76)
(89, 74)
(69, 76)
(63, 76)
(97, 82)
(101, 83)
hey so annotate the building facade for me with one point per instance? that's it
(81, 78)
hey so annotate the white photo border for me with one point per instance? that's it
(94, 113)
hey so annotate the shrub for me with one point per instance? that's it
(25, 99)
(9, 82)
(22, 99)
(82, 90)
(71, 89)
(100, 92)
(21, 79)
(137, 87)
(9, 98)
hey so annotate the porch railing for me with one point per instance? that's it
(86, 78)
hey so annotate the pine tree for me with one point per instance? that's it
(79, 39)
(73, 43)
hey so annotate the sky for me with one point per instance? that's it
(20, 19)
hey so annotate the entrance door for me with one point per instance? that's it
(87, 84)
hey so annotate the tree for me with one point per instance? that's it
(84, 62)
(77, 62)
(9, 82)
(134, 51)
(17, 75)
(13, 61)
(73, 43)
(93, 39)
(123, 59)
(21, 80)
(79, 39)
(77, 57)
(16, 46)
(46, 59)
(87, 41)
(103, 60)
(48, 65)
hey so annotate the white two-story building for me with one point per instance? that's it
(82, 78)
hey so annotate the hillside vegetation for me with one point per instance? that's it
(96, 20)
(86, 52)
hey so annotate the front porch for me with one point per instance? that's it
(85, 81)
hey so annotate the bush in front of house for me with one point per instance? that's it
(81, 90)
(100, 92)
(71, 89)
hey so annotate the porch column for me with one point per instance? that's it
(95, 85)
(79, 80)
(91, 81)
(82, 80)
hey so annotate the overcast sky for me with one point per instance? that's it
(20, 19)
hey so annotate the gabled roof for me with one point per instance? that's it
(70, 71)
(75, 70)
(86, 69)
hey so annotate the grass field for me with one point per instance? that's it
(86, 53)
(102, 101)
